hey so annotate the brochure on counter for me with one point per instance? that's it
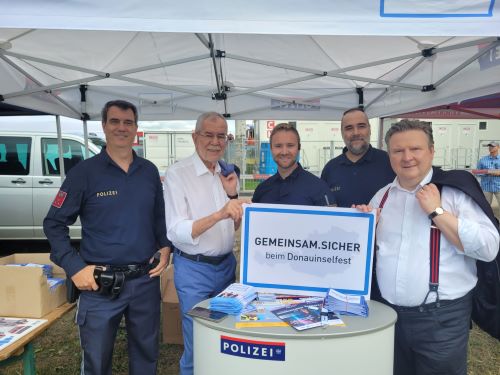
(259, 313)
(12, 329)
(261, 316)
(307, 315)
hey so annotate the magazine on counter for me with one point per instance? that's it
(259, 313)
(307, 315)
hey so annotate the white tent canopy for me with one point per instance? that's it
(248, 60)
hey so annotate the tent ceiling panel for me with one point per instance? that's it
(323, 17)
(258, 74)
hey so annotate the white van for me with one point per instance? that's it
(30, 178)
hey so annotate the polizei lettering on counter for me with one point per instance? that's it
(266, 350)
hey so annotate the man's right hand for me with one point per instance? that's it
(84, 279)
(367, 208)
(232, 209)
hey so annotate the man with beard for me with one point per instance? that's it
(356, 175)
(292, 184)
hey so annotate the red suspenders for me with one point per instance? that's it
(434, 246)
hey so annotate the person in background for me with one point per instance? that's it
(433, 306)
(202, 213)
(361, 170)
(119, 199)
(291, 184)
(490, 181)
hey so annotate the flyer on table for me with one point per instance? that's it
(307, 250)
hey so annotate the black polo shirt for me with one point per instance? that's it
(356, 183)
(300, 187)
(122, 214)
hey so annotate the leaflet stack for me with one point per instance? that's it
(233, 299)
(344, 304)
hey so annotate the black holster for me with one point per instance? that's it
(72, 292)
(110, 283)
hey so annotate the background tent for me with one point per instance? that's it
(12, 110)
(484, 107)
(248, 60)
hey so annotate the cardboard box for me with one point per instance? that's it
(172, 323)
(171, 313)
(168, 292)
(24, 291)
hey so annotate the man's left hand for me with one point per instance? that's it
(230, 183)
(429, 198)
(164, 260)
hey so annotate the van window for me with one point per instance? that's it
(73, 153)
(15, 155)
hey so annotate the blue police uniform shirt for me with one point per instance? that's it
(122, 214)
(356, 183)
(300, 187)
(490, 184)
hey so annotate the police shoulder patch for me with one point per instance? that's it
(59, 199)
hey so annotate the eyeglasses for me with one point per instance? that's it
(220, 137)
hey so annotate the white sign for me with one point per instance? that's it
(306, 250)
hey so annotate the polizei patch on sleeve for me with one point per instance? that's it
(266, 350)
(59, 199)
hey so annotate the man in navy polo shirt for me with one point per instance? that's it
(291, 184)
(119, 199)
(356, 175)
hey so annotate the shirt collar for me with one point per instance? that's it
(425, 181)
(136, 161)
(200, 167)
(292, 175)
(367, 156)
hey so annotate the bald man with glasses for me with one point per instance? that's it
(202, 212)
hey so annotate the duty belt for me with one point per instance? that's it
(111, 278)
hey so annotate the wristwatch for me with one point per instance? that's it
(438, 211)
(233, 196)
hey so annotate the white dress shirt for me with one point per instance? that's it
(192, 192)
(403, 231)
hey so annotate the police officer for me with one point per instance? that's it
(292, 184)
(361, 170)
(119, 199)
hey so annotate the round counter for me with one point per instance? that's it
(363, 346)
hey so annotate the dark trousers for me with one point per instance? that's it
(99, 317)
(433, 341)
